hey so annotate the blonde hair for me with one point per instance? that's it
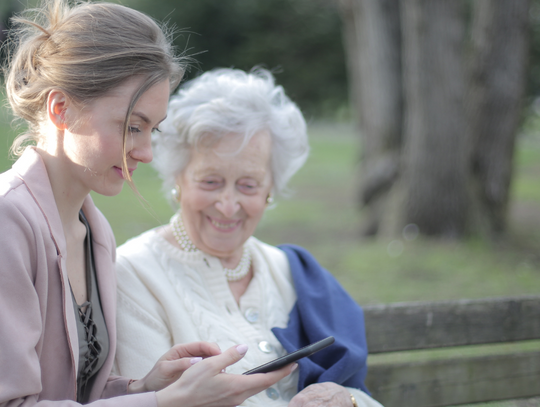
(85, 51)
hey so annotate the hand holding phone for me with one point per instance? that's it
(292, 357)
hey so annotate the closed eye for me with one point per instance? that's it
(210, 184)
(248, 189)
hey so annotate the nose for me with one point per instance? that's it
(228, 203)
(142, 149)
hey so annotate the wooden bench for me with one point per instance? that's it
(459, 368)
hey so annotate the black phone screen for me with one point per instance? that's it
(292, 357)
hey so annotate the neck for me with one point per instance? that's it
(232, 261)
(68, 195)
(236, 265)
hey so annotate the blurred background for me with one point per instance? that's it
(423, 182)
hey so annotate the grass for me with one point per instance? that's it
(322, 215)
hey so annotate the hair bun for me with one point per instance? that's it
(86, 50)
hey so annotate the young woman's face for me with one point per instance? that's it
(224, 192)
(93, 145)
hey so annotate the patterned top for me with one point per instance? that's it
(91, 328)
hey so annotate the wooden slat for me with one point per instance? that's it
(521, 402)
(405, 326)
(455, 381)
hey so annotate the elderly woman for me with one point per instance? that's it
(229, 145)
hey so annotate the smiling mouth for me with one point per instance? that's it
(224, 226)
(121, 173)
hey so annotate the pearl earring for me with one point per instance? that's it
(176, 193)
(269, 199)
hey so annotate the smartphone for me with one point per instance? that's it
(292, 357)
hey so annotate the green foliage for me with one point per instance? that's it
(300, 40)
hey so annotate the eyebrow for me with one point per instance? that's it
(145, 118)
(209, 170)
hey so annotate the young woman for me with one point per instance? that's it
(92, 82)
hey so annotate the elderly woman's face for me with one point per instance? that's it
(224, 192)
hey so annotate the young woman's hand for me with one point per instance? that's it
(172, 364)
(205, 385)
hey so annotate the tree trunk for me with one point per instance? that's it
(372, 34)
(432, 192)
(500, 49)
(434, 153)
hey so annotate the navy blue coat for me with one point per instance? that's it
(324, 308)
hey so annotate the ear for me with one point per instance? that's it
(57, 104)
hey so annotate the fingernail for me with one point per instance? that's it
(242, 349)
(294, 367)
(195, 360)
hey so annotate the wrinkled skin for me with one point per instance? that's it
(326, 394)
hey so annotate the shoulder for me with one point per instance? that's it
(25, 238)
(26, 186)
(300, 258)
(138, 256)
(17, 205)
(305, 268)
(19, 224)
(9, 181)
(141, 271)
(270, 253)
(287, 256)
(13, 191)
(138, 247)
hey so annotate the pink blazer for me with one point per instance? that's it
(39, 349)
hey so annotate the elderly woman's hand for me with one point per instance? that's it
(322, 395)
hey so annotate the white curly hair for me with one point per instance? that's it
(225, 101)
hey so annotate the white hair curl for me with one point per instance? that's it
(225, 101)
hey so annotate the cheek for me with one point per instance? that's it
(106, 145)
(85, 150)
(114, 142)
(255, 207)
(195, 200)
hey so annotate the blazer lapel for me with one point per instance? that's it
(33, 173)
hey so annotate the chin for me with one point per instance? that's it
(110, 191)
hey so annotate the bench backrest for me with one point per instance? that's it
(459, 375)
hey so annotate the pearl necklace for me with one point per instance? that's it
(182, 238)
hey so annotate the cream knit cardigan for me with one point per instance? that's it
(168, 296)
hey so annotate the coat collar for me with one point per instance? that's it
(31, 168)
